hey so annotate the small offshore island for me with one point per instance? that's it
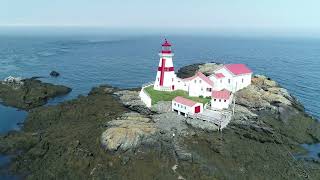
(112, 134)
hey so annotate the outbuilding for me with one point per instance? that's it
(184, 106)
(221, 99)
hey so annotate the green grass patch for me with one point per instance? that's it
(157, 96)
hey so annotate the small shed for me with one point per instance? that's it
(221, 99)
(184, 106)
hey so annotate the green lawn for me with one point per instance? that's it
(157, 96)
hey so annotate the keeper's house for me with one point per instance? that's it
(221, 99)
(185, 106)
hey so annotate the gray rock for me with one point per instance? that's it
(162, 107)
(171, 122)
(128, 132)
(132, 100)
(203, 125)
(209, 68)
(242, 113)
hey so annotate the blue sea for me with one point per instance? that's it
(125, 60)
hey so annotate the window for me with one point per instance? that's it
(184, 84)
(185, 107)
(175, 104)
(178, 105)
(220, 80)
(209, 89)
(229, 81)
(172, 79)
(195, 81)
(219, 100)
(201, 89)
(158, 79)
(215, 100)
(225, 100)
(242, 80)
(200, 81)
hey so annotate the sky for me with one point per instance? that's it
(211, 15)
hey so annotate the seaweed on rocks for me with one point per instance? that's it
(30, 93)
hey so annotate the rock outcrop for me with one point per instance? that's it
(203, 125)
(54, 74)
(162, 107)
(29, 93)
(131, 99)
(263, 93)
(208, 68)
(128, 132)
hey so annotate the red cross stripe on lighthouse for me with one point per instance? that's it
(164, 69)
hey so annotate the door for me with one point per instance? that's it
(197, 109)
(172, 87)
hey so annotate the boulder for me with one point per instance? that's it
(54, 74)
(128, 132)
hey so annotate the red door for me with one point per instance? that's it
(197, 109)
(172, 87)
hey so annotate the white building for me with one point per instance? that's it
(221, 99)
(165, 79)
(232, 77)
(219, 86)
(185, 106)
(198, 85)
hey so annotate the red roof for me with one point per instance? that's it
(200, 75)
(238, 69)
(219, 75)
(223, 94)
(184, 101)
(166, 43)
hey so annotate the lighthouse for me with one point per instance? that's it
(165, 73)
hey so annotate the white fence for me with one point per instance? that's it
(145, 98)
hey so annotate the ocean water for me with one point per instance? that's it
(129, 61)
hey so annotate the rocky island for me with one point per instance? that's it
(110, 134)
(28, 93)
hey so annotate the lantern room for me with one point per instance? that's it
(166, 47)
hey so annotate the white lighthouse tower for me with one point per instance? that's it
(165, 75)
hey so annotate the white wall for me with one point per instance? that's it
(220, 105)
(182, 84)
(145, 98)
(218, 84)
(198, 87)
(225, 81)
(242, 81)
